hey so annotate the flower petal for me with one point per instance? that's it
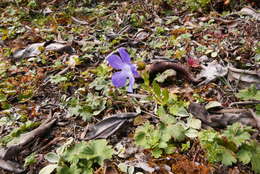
(134, 71)
(124, 55)
(119, 79)
(115, 61)
(131, 84)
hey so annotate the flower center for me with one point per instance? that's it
(127, 68)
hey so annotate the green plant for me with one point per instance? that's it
(92, 106)
(32, 4)
(3, 97)
(159, 94)
(161, 138)
(58, 78)
(102, 70)
(231, 146)
(29, 160)
(100, 83)
(257, 107)
(185, 146)
(157, 43)
(196, 4)
(79, 158)
(250, 93)
(157, 140)
(137, 20)
(163, 97)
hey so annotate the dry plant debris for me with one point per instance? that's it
(159, 86)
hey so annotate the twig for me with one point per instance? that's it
(242, 71)
(86, 129)
(245, 103)
(137, 95)
(79, 21)
(63, 71)
(149, 113)
(49, 144)
(231, 110)
(47, 80)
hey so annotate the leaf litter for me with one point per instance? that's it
(202, 117)
(108, 126)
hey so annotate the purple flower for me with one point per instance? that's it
(128, 70)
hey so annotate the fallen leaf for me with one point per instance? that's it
(213, 104)
(110, 168)
(211, 72)
(244, 78)
(222, 120)
(166, 74)
(9, 152)
(108, 126)
(192, 62)
(181, 70)
(251, 12)
(37, 48)
(12, 150)
(11, 166)
(73, 61)
(141, 35)
(140, 161)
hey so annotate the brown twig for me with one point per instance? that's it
(160, 67)
(231, 110)
(86, 129)
(245, 103)
(49, 144)
(242, 71)
(141, 96)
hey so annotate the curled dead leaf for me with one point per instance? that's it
(11, 166)
(37, 48)
(141, 35)
(251, 12)
(108, 126)
(211, 72)
(9, 152)
(224, 119)
(182, 71)
(110, 168)
(244, 78)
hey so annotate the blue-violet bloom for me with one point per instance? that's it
(128, 70)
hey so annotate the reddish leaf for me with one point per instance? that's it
(193, 62)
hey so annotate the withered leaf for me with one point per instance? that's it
(222, 120)
(244, 77)
(109, 125)
(182, 71)
(251, 12)
(212, 71)
(11, 166)
(9, 152)
(35, 49)
(12, 150)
